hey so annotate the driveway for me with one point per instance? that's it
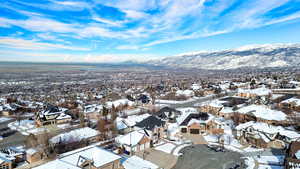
(162, 159)
(195, 138)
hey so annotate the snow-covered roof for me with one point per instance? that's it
(31, 151)
(226, 110)
(276, 96)
(185, 113)
(292, 100)
(192, 121)
(132, 138)
(63, 116)
(185, 92)
(70, 160)
(294, 82)
(119, 102)
(195, 86)
(270, 129)
(258, 91)
(135, 162)
(121, 123)
(92, 108)
(214, 103)
(263, 112)
(57, 164)
(131, 111)
(132, 120)
(187, 110)
(75, 135)
(98, 155)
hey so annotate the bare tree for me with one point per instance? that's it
(81, 119)
(31, 140)
(44, 141)
(101, 127)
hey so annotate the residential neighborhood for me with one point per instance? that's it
(118, 123)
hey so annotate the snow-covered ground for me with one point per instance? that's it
(4, 119)
(167, 148)
(270, 167)
(136, 162)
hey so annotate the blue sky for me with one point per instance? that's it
(121, 30)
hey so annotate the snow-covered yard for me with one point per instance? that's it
(272, 160)
(250, 163)
(135, 162)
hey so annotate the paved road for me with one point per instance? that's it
(12, 140)
(200, 100)
(200, 157)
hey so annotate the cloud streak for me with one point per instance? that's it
(129, 24)
(35, 45)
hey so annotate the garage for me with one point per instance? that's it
(194, 131)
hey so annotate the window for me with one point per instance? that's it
(194, 131)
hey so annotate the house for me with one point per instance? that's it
(261, 113)
(292, 104)
(92, 111)
(292, 158)
(8, 109)
(123, 124)
(92, 157)
(144, 99)
(230, 106)
(264, 135)
(277, 98)
(195, 86)
(134, 141)
(52, 115)
(167, 113)
(33, 155)
(199, 123)
(10, 157)
(253, 93)
(119, 103)
(186, 93)
(5, 163)
(155, 125)
(212, 107)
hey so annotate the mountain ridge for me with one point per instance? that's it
(256, 56)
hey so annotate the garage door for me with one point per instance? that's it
(194, 131)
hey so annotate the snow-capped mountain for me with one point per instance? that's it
(257, 56)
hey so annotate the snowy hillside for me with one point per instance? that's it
(258, 56)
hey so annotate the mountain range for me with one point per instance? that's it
(250, 56)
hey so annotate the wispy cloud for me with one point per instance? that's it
(35, 45)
